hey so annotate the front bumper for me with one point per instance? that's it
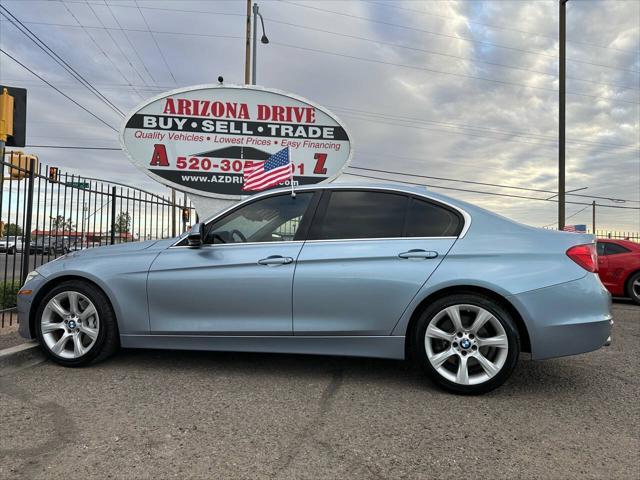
(567, 319)
(25, 303)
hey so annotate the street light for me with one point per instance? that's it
(264, 39)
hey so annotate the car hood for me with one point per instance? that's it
(111, 249)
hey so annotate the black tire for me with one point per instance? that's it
(632, 295)
(12, 251)
(108, 339)
(498, 312)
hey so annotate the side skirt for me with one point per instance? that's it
(353, 346)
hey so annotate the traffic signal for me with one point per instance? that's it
(186, 214)
(6, 115)
(13, 116)
(21, 164)
(53, 174)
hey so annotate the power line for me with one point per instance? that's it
(415, 49)
(411, 124)
(470, 182)
(489, 193)
(156, 43)
(432, 70)
(117, 45)
(573, 214)
(499, 27)
(161, 32)
(523, 134)
(74, 147)
(417, 127)
(273, 20)
(59, 60)
(370, 60)
(97, 45)
(456, 37)
(486, 184)
(144, 65)
(58, 90)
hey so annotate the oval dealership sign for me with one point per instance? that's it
(201, 139)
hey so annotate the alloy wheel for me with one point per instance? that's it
(70, 324)
(466, 344)
(635, 287)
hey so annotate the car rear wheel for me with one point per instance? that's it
(75, 324)
(467, 343)
(633, 287)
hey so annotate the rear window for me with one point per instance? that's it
(429, 220)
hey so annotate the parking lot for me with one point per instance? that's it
(160, 414)
(11, 264)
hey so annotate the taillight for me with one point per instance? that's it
(585, 255)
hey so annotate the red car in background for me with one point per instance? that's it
(619, 267)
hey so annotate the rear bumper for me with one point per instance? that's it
(566, 319)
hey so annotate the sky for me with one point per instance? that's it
(462, 90)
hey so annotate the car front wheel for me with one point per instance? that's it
(467, 343)
(76, 325)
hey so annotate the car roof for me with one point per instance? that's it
(399, 187)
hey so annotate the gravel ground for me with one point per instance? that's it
(160, 414)
(9, 336)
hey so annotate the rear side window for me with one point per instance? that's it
(429, 220)
(359, 214)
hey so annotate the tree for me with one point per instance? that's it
(123, 223)
(12, 230)
(59, 223)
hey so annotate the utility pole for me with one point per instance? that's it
(255, 43)
(247, 54)
(593, 217)
(561, 114)
(173, 212)
(264, 39)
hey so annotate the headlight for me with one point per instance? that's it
(31, 276)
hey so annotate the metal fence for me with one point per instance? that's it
(48, 213)
(633, 236)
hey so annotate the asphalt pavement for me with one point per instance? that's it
(169, 414)
(10, 264)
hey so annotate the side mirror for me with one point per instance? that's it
(195, 236)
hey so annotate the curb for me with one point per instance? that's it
(25, 355)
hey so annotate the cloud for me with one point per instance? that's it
(437, 117)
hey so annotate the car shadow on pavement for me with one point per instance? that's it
(529, 378)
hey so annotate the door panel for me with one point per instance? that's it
(360, 287)
(223, 289)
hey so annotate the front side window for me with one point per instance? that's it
(272, 219)
(361, 214)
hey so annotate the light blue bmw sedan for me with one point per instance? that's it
(386, 271)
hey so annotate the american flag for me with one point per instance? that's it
(575, 228)
(273, 171)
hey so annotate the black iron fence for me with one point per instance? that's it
(633, 236)
(45, 213)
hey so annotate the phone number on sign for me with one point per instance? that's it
(238, 166)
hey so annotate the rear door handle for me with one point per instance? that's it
(418, 254)
(275, 260)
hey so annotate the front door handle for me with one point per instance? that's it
(275, 260)
(418, 254)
